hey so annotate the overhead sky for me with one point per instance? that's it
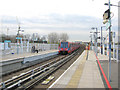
(74, 17)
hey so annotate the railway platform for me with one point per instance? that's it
(85, 72)
(14, 62)
(22, 55)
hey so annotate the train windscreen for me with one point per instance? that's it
(64, 44)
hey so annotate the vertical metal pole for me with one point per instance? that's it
(114, 45)
(103, 46)
(21, 45)
(91, 42)
(117, 53)
(96, 41)
(33, 38)
(18, 41)
(17, 45)
(109, 46)
(101, 42)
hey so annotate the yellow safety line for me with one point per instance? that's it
(74, 81)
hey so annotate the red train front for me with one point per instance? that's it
(67, 47)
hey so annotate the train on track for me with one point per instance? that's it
(68, 47)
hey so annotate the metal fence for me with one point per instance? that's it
(11, 48)
(114, 54)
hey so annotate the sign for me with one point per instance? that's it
(7, 41)
(18, 38)
(106, 15)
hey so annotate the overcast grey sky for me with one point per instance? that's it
(75, 17)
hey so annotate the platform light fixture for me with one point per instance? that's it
(111, 5)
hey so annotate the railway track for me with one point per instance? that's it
(29, 79)
(30, 69)
(18, 72)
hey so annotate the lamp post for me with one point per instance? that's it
(109, 75)
(18, 39)
(104, 45)
(110, 22)
(109, 18)
(91, 41)
(96, 49)
(114, 45)
(101, 45)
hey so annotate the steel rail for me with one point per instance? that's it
(23, 75)
(47, 73)
(39, 73)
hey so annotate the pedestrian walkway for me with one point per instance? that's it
(81, 74)
(22, 55)
(91, 77)
(104, 61)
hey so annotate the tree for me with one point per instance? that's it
(13, 38)
(53, 37)
(27, 36)
(64, 37)
(43, 38)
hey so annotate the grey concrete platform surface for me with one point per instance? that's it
(21, 55)
(104, 61)
(81, 74)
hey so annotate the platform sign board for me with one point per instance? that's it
(7, 41)
(18, 38)
(106, 14)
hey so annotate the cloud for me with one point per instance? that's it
(77, 26)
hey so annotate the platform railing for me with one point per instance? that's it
(26, 48)
(115, 52)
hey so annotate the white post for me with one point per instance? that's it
(28, 46)
(96, 42)
(103, 46)
(117, 53)
(114, 45)
(107, 49)
(21, 46)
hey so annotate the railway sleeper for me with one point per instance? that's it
(59, 63)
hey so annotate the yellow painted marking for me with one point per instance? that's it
(73, 83)
(47, 80)
(108, 51)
